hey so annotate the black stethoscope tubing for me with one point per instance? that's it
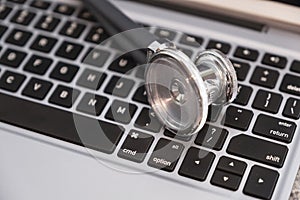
(114, 22)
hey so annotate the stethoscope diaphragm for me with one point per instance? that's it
(180, 91)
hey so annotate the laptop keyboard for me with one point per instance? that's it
(39, 93)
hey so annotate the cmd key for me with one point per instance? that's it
(136, 146)
(258, 150)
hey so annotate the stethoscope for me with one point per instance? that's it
(179, 90)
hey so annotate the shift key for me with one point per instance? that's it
(258, 150)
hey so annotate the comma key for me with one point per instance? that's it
(147, 120)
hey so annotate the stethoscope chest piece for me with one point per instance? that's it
(180, 91)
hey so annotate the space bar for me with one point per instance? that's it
(60, 124)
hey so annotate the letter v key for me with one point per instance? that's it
(37, 86)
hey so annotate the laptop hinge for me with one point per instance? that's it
(206, 14)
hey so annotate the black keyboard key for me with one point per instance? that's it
(244, 94)
(86, 15)
(165, 34)
(18, 37)
(211, 137)
(123, 64)
(2, 29)
(38, 64)
(166, 155)
(241, 69)
(23, 17)
(64, 72)
(11, 81)
(92, 104)
(136, 146)
(295, 67)
(196, 164)
(12, 58)
(122, 112)
(291, 84)
(97, 35)
(60, 124)
(246, 53)
(238, 118)
(219, 45)
(232, 166)
(214, 112)
(140, 72)
(274, 128)
(187, 52)
(72, 29)
(226, 180)
(69, 50)
(17, 1)
(274, 60)
(40, 4)
(4, 11)
(37, 89)
(64, 9)
(261, 182)
(91, 79)
(258, 150)
(141, 95)
(267, 101)
(47, 23)
(96, 57)
(120, 87)
(178, 137)
(64, 96)
(148, 121)
(43, 44)
(191, 40)
(292, 108)
(265, 77)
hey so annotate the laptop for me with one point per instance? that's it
(60, 81)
